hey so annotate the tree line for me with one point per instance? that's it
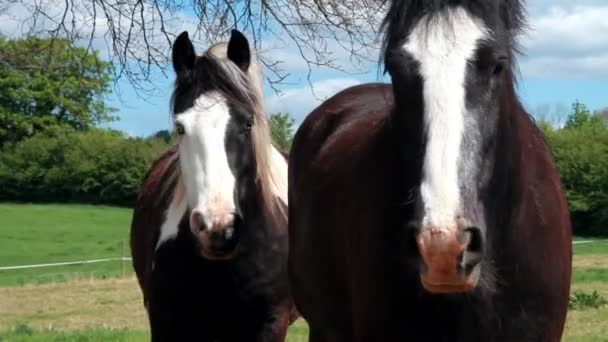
(52, 149)
(580, 153)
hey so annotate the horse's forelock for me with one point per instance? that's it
(403, 14)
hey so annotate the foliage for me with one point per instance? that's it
(164, 135)
(62, 165)
(580, 151)
(46, 83)
(579, 117)
(582, 300)
(281, 129)
(23, 329)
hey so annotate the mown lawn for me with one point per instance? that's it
(91, 303)
(39, 234)
(81, 310)
(23, 333)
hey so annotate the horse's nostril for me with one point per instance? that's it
(217, 240)
(472, 254)
(197, 222)
(475, 240)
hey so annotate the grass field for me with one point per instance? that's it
(91, 303)
(36, 234)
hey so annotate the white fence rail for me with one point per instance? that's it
(2, 268)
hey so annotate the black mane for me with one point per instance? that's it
(403, 14)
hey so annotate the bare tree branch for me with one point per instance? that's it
(137, 34)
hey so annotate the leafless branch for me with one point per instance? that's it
(137, 34)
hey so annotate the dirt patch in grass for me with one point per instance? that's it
(590, 261)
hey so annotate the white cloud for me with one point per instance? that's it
(567, 41)
(298, 102)
(337, 53)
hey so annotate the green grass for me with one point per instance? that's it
(590, 275)
(23, 333)
(298, 332)
(37, 234)
(599, 246)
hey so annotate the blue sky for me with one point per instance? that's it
(566, 59)
(551, 96)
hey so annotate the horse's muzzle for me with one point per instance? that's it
(220, 241)
(450, 259)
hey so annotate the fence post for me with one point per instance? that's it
(122, 258)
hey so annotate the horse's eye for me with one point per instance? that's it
(249, 124)
(501, 64)
(179, 128)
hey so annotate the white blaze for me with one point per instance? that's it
(206, 181)
(203, 158)
(443, 46)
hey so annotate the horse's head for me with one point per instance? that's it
(451, 68)
(215, 104)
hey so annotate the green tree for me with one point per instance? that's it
(580, 151)
(164, 135)
(45, 83)
(281, 129)
(63, 165)
(579, 116)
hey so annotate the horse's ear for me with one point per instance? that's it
(238, 50)
(183, 53)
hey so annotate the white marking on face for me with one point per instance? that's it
(443, 46)
(205, 171)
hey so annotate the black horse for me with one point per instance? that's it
(209, 230)
(430, 210)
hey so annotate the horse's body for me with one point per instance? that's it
(209, 273)
(348, 200)
(375, 253)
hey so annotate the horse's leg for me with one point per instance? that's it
(171, 314)
(275, 329)
(317, 336)
(163, 325)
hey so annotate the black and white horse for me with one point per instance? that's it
(209, 230)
